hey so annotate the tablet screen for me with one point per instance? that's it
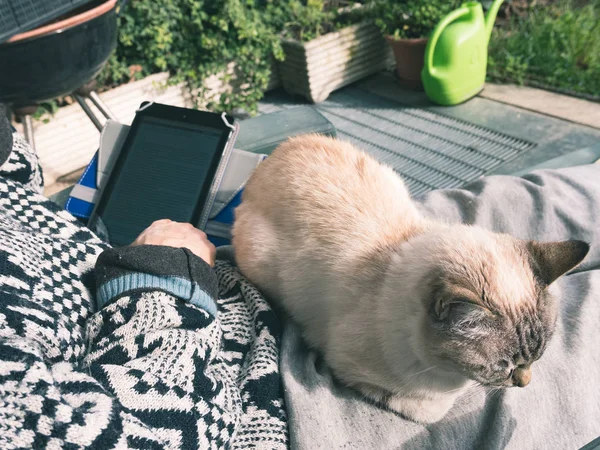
(166, 172)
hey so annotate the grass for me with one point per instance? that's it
(553, 46)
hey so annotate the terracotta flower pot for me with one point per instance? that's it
(410, 56)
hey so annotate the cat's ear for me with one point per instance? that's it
(550, 260)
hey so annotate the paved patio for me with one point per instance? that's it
(442, 147)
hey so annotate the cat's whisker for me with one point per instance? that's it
(473, 392)
(422, 371)
(494, 391)
(466, 389)
(408, 379)
(489, 392)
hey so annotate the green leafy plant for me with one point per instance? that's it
(410, 19)
(194, 39)
(555, 46)
(46, 110)
(307, 20)
(512, 67)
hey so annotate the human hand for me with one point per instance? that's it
(179, 235)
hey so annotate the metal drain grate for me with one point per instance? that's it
(429, 150)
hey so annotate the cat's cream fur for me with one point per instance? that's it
(332, 236)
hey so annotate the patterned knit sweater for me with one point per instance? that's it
(153, 360)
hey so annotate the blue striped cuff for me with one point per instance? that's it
(177, 286)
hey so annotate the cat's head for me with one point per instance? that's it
(484, 309)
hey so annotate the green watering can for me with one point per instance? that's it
(456, 54)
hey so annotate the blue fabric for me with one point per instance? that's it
(179, 287)
(218, 241)
(78, 207)
(227, 215)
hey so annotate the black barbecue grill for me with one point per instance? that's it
(50, 48)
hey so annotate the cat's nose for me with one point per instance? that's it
(522, 376)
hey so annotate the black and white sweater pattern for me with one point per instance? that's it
(143, 364)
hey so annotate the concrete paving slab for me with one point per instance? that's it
(564, 107)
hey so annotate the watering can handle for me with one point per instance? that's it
(454, 15)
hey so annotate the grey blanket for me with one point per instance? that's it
(560, 409)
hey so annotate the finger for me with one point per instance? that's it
(155, 227)
(179, 227)
(165, 230)
(141, 238)
(161, 221)
(174, 242)
(193, 231)
(190, 230)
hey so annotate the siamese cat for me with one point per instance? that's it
(406, 310)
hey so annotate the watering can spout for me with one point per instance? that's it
(490, 18)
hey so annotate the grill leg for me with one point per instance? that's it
(86, 109)
(96, 100)
(28, 129)
(24, 114)
(87, 92)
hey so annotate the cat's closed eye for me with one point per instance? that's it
(467, 314)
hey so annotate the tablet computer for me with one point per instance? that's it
(170, 167)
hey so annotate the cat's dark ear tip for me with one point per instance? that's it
(581, 248)
(553, 259)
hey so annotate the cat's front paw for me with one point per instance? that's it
(420, 410)
(417, 410)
